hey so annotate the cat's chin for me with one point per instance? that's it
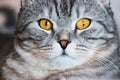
(63, 62)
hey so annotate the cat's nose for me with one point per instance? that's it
(64, 43)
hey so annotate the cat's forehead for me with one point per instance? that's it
(56, 9)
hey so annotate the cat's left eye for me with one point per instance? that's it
(83, 23)
(45, 24)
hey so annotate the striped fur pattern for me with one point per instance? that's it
(91, 54)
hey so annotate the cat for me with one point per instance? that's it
(64, 40)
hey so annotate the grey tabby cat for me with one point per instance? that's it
(64, 40)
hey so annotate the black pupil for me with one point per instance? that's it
(83, 23)
(46, 23)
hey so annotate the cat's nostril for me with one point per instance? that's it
(64, 43)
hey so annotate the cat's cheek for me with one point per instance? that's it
(56, 50)
(76, 53)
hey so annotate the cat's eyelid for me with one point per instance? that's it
(96, 20)
(43, 19)
(85, 18)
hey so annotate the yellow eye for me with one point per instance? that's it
(83, 23)
(45, 24)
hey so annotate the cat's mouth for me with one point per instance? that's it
(64, 54)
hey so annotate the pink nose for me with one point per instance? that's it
(64, 43)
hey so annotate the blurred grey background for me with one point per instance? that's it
(115, 4)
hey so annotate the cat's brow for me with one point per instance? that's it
(105, 26)
(24, 27)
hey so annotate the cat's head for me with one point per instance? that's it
(66, 33)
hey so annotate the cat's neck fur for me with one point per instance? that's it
(25, 64)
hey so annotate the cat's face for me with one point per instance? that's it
(65, 33)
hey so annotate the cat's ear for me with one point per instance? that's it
(25, 3)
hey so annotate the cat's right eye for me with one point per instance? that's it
(45, 24)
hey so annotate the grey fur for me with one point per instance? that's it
(100, 37)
